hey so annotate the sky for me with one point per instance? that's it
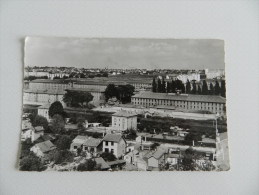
(125, 53)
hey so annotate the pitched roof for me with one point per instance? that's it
(38, 128)
(46, 146)
(116, 162)
(181, 97)
(44, 106)
(80, 139)
(85, 90)
(45, 91)
(124, 113)
(112, 137)
(101, 161)
(92, 142)
(157, 154)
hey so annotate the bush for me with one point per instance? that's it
(107, 156)
(60, 156)
(89, 165)
(31, 163)
(63, 142)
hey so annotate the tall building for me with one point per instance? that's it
(124, 120)
(187, 102)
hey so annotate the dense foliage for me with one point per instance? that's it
(78, 99)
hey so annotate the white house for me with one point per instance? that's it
(124, 120)
(42, 149)
(114, 143)
(44, 111)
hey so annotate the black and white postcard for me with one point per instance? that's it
(123, 104)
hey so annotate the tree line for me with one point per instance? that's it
(121, 92)
(161, 86)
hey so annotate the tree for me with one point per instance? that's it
(183, 88)
(82, 75)
(159, 86)
(25, 147)
(110, 92)
(31, 163)
(204, 88)
(57, 125)
(211, 89)
(107, 156)
(56, 108)
(40, 121)
(223, 88)
(194, 90)
(154, 85)
(217, 88)
(125, 92)
(173, 86)
(60, 156)
(154, 146)
(163, 85)
(63, 142)
(78, 99)
(192, 137)
(168, 87)
(188, 87)
(89, 165)
(199, 89)
(178, 84)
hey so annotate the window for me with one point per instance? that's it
(75, 147)
(106, 143)
(112, 143)
(106, 150)
(85, 147)
(112, 151)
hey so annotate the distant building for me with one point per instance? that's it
(43, 96)
(188, 102)
(114, 143)
(211, 74)
(191, 76)
(124, 120)
(47, 84)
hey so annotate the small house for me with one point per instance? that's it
(42, 149)
(78, 143)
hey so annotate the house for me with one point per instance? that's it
(42, 149)
(124, 120)
(44, 111)
(173, 158)
(36, 133)
(155, 159)
(101, 163)
(78, 143)
(92, 145)
(115, 144)
(130, 147)
(45, 137)
(26, 130)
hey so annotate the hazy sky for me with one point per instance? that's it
(125, 53)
